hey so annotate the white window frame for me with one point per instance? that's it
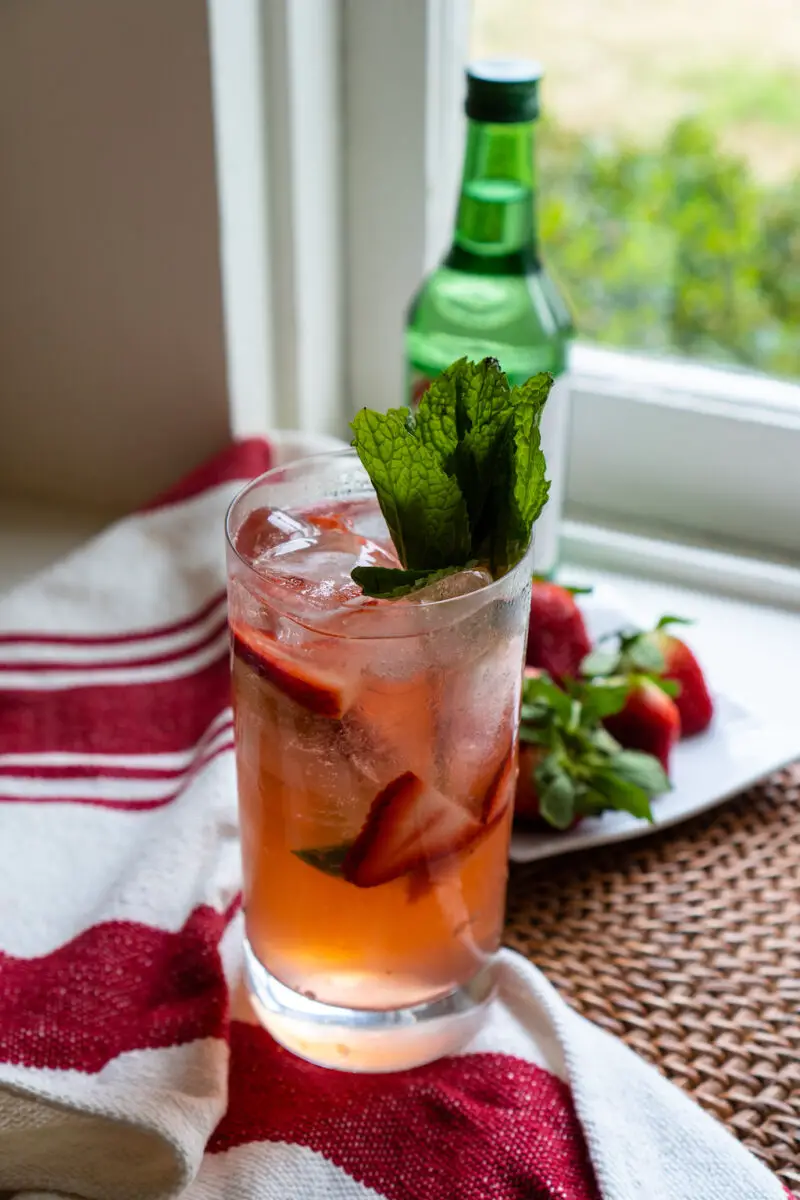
(360, 102)
(716, 450)
(276, 70)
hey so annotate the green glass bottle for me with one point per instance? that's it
(491, 294)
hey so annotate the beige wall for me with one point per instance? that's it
(111, 348)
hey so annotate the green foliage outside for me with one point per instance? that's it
(677, 248)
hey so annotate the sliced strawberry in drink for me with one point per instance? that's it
(328, 520)
(500, 791)
(409, 825)
(313, 688)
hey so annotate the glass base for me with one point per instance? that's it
(350, 1039)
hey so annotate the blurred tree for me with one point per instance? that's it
(674, 249)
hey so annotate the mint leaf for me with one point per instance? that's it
(329, 859)
(460, 417)
(645, 655)
(556, 793)
(483, 393)
(436, 415)
(422, 505)
(540, 692)
(618, 793)
(484, 414)
(600, 661)
(603, 698)
(387, 583)
(532, 736)
(585, 771)
(520, 488)
(390, 583)
(464, 480)
(530, 485)
(643, 770)
(602, 740)
(463, 417)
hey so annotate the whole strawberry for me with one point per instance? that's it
(680, 665)
(557, 637)
(650, 721)
(664, 659)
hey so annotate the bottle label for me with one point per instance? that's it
(555, 437)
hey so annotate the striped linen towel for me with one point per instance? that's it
(130, 1068)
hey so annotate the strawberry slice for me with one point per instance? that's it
(500, 791)
(327, 521)
(317, 690)
(409, 825)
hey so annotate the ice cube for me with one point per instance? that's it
(479, 708)
(460, 583)
(365, 518)
(358, 514)
(264, 528)
(315, 570)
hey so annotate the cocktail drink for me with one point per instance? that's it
(376, 747)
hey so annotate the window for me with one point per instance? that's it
(670, 214)
(337, 138)
(363, 133)
(670, 167)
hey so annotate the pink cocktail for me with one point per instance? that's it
(376, 759)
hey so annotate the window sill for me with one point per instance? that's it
(712, 450)
(683, 562)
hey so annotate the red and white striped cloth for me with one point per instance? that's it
(126, 1071)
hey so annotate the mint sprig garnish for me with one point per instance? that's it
(578, 767)
(422, 504)
(460, 482)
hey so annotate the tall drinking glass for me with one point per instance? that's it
(376, 751)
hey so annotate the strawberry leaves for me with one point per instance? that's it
(666, 620)
(580, 770)
(635, 655)
(460, 482)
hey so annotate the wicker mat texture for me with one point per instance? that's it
(686, 944)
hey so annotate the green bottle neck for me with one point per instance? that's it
(496, 222)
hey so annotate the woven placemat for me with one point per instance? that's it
(686, 944)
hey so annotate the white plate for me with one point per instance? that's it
(736, 751)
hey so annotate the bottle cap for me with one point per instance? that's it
(503, 91)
